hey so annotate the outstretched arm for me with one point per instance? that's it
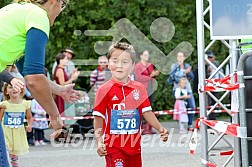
(41, 91)
(17, 84)
(33, 70)
(65, 91)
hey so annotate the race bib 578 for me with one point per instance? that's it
(124, 122)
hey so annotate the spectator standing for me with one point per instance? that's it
(180, 112)
(38, 125)
(61, 78)
(98, 76)
(210, 71)
(145, 73)
(69, 67)
(178, 71)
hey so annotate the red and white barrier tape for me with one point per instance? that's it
(227, 128)
(224, 127)
(209, 164)
(162, 112)
(170, 112)
(191, 110)
(194, 139)
(218, 85)
(64, 118)
(223, 153)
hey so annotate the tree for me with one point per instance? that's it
(102, 14)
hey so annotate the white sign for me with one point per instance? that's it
(231, 19)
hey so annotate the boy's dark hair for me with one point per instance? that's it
(123, 46)
(59, 57)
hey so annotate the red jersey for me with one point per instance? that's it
(121, 106)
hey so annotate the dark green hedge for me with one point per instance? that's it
(101, 15)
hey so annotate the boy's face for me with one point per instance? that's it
(121, 65)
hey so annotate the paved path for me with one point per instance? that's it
(174, 153)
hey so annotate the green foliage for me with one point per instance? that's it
(102, 14)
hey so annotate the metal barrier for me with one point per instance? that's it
(243, 122)
(203, 10)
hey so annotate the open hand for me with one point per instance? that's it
(17, 84)
(68, 94)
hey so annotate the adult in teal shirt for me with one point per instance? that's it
(24, 33)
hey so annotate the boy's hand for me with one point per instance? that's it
(163, 134)
(28, 128)
(101, 150)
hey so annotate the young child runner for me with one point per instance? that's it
(13, 122)
(119, 106)
(180, 112)
(38, 125)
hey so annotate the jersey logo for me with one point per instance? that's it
(118, 163)
(136, 94)
(120, 106)
(114, 98)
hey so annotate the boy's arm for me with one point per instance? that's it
(152, 120)
(98, 125)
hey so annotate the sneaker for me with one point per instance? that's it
(42, 143)
(36, 143)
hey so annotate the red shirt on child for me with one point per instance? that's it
(121, 106)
